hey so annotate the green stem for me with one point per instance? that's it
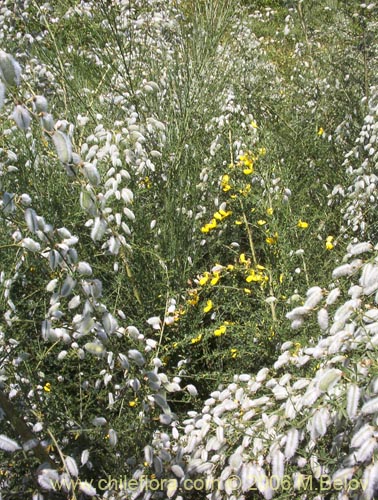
(22, 429)
(249, 233)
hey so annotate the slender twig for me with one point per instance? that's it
(63, 71)
(249, 233)
(23, 430)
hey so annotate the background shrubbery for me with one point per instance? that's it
(186, 189)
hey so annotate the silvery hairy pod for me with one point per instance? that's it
(40, 104)
(10, 70)
(22, 117)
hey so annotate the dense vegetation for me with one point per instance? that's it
(188, 249)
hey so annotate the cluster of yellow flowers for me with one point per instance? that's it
(221, 330)
(257, 275)
(247, 161)
(194, 297)
(197, 339)
(329, 245)
(225, 183)
(234, 353)
(145, 183)
(272, 240)
(302, 224)
(217, 217)
(213, 277)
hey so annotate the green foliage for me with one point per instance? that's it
(174, 223)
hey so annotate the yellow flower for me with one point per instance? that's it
(297, 347)
(247, 291)
(222, 214)
(133, 402)
(253, 124)
(250, 278)
(197, 339)
(209, 226)
(256, 276)
(247, 161)
(216, 278)
(225, 182)
(242, 259)
(261, 222)
(47, 387)
(329, 245)
(320, 131)
(269, 211)
(302, 224)
(238, 222)
(146, 182)
(194, 298)
(234, 353)
(272, 240)
(220, 331)
(246, 190)
(208, 307)
(230, 267)
(204, 279)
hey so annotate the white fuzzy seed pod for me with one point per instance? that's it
(353, 396)
(292, 442)
(2, 94)
(40, 104)
(333, 296)
(63, 146)
(10, 70)
(323, 319)
(22, 117)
